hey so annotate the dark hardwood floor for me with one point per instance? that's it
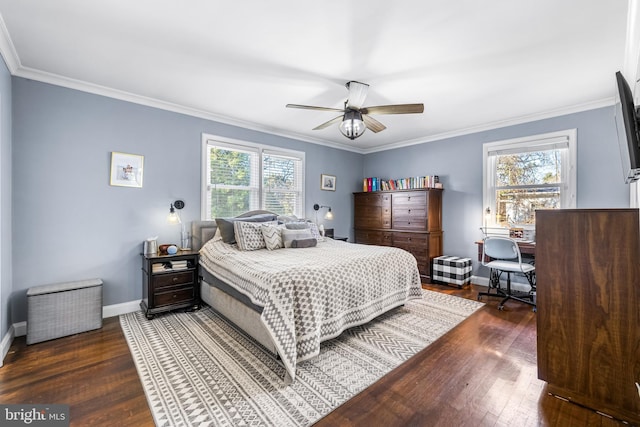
(482, 373)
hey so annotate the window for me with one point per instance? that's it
(240, 176)
(525, 174)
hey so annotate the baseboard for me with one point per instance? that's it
(20, 329)
(118, 309)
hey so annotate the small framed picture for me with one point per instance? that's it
(126, 169)
(327, 182)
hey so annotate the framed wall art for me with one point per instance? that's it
(328, 182)
(126, 170)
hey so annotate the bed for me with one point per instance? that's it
(292, 299)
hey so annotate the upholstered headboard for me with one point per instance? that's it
(203, 231)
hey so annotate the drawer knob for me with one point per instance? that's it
(175, 279)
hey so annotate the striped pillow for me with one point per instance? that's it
(272, 235)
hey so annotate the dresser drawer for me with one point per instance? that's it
(174, 296)
(173, 279)
(410, 198)
(409, 223)
(367, 237)
(413, 241)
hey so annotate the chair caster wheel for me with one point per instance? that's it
(535, 309)
(479, 297)
(501, 307)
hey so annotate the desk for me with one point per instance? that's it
(527, 248)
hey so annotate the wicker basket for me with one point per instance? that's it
(62, 309)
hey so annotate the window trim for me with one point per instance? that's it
(261, 149)
(529, 143)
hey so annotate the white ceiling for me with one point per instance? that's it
(474, 64)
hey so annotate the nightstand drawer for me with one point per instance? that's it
(173, 279)
(174, 296)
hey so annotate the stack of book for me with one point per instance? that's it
(179, 265)
(160, 267)
(377, 184)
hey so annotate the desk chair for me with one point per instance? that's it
(504, 256)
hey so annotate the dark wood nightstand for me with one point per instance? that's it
(169, 282)
(329, 233)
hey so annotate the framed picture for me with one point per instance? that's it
(126, 169)
(327, 182)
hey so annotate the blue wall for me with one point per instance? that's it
(5, 199)
(70, 224)
(458, 162)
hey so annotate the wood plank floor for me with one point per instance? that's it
(482, 373)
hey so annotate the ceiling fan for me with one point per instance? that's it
(355, 118)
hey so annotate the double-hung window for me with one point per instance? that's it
(239, 176)
(525, 174)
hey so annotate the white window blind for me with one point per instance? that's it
(239, 177)
(527, 174)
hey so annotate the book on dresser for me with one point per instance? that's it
(407, 219)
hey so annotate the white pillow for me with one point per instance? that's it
(249, 235)
(272, 235)
(289, 236)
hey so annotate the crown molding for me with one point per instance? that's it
(7, 49)
(499, 124)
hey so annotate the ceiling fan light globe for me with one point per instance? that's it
(352, 125)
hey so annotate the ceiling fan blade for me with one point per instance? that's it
(394, 109)
(329, 123)
(357, 94)
(372, 124)
(311, 107)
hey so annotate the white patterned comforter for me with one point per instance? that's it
(313, 294)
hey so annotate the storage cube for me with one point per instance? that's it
(452, 270)
(62, 309)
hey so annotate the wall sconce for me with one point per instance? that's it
(328, 215)
(173, 217)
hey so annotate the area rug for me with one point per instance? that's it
(198, 370)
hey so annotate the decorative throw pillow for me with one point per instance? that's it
(249, 235)
(297, 225)
(272, 235)
(283, 219)
(225, 225)
(305, 224)
(304, 243)
(313, 227)
(289, 236)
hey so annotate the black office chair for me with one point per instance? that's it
(502, 255)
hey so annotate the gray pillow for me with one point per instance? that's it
(289, 236)
(304, 243)
(225, 225)
(298, 225)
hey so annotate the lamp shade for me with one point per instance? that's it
(352, 125)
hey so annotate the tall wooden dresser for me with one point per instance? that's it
(407, 219)
(588, 297)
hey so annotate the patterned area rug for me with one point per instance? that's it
(198, 370)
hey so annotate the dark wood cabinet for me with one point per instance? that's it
(588, 298)
(407, 219)
(169, 282)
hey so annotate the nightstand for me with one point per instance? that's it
(169, 282)
(329, 233)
